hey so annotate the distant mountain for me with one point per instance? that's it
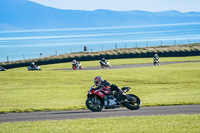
(24, 14)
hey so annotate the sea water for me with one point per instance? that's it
(30, 44)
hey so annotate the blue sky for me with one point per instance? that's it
(124, 5)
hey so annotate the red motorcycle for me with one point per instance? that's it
(105, 98)
(77, 66)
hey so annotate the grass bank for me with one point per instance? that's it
(136, 124)
(22, 90)
(163, 51)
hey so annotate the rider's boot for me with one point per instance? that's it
(121, 96)
(130, 99)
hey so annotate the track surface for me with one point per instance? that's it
(80, 114)
(127, 66)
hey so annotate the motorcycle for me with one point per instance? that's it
(37, 68)
(77, 66)
(105, 64)
(2, 69)
(104, 98)
(156, 62)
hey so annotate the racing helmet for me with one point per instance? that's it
(74, 61)
(32, 63)
(98, 80)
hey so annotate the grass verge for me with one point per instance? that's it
(137, 124)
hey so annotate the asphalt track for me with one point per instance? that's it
(127, 66)
(83, 114)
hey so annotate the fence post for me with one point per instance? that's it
(115, 45)
(56, 53)
(136, 44)
(85, 48)
(7, 59)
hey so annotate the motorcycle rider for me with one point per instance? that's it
(156, 59)
(103, 60)
(32, 65)
(2, 69)
(100, 83)
(75, 63)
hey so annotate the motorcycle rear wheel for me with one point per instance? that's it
(95, 107)
(133, 105)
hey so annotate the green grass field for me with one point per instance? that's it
(136, 124)
(22, 90)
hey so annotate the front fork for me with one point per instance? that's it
(95, 99)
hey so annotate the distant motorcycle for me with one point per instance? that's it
(105, 64)
(36, 68)
(105, 98)
(77, 66)
(156, 62)
(2, 69)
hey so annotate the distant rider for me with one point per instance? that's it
(156, 59)
(100, 83)
(103, 60)
(32, 65)
(75, 63)
(2, 69)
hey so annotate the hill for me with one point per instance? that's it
(24, 14)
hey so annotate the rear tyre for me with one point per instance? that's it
(133, 105)
(94, 104)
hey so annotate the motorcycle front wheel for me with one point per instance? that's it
(94, 104)
(133, 105)
(102, 65)
(74, 67)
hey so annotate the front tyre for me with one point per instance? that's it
(133, 105)
(94, 104)
(102, 66)
(74, 67)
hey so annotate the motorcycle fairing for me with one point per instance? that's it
(101, 92)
